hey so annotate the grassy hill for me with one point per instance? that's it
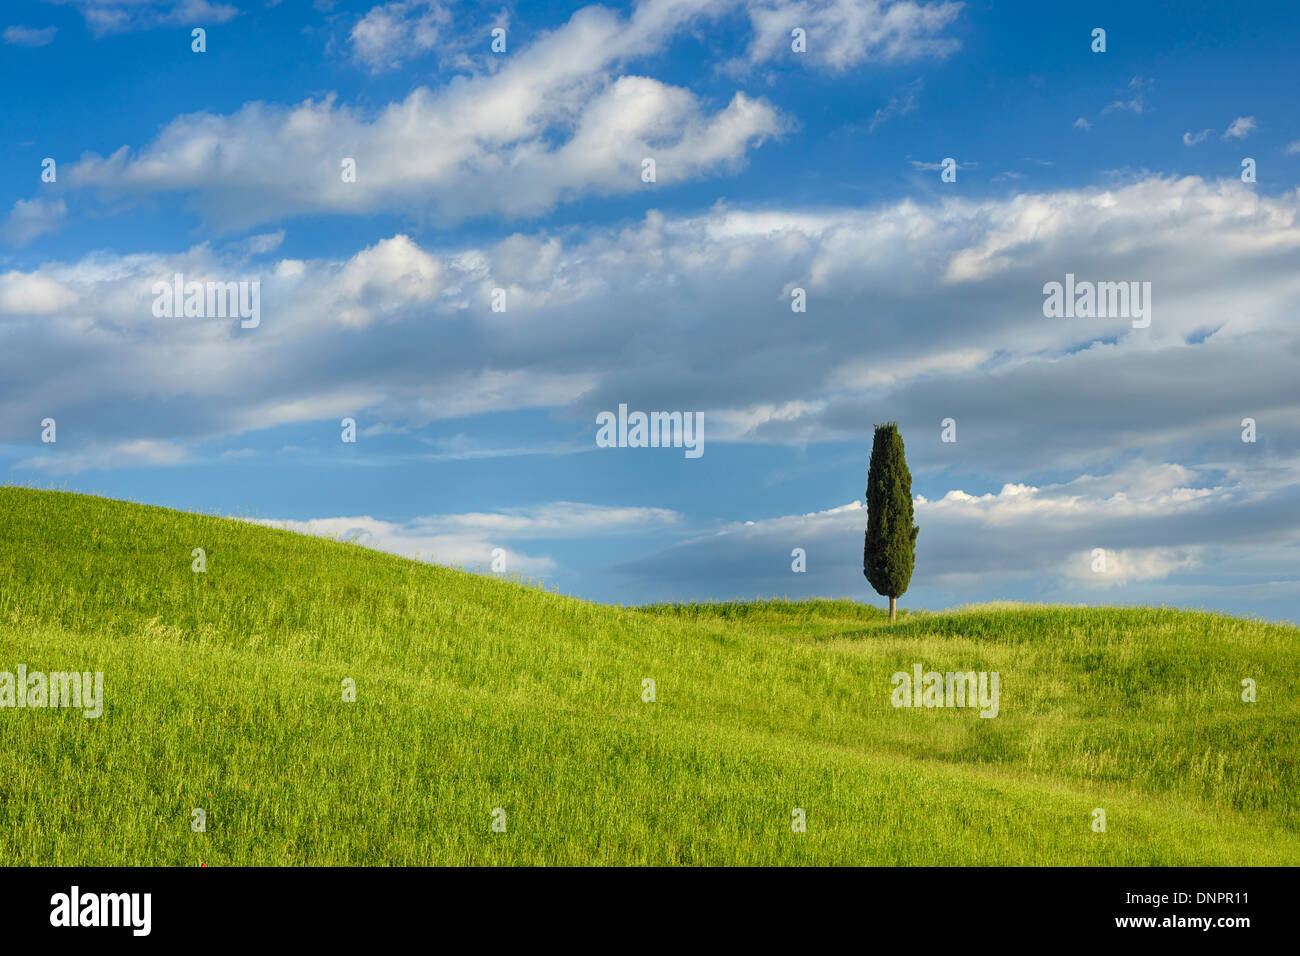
(223, 692)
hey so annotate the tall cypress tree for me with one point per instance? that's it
(890, 551)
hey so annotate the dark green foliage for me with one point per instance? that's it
(890, 551)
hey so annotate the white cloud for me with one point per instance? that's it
(127, 454)
(552, 122)
(469, 539)
(29, 36)
(843, 33)
(1240, 128)
(561, 519)
(1042, 221)
(984, 545)
(1135, 104)
(33, 293)
(388, 275)
(482, 146)
(740, 424)
(1191, 139)
(30, 218)
(394, 32)
(1130, 565)
(119, 16)
(922, 164)
(867, 373)
(471, 551)
(405, 335)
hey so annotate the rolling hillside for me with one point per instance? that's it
(223, 692)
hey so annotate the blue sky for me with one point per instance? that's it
(776, 170)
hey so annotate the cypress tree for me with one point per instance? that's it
(890, 551)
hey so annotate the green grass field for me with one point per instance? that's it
(223, 692)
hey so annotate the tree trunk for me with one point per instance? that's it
(893, 603)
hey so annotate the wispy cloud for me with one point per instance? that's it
(29, 36)
(902, 103)
(842, 34)
(470, 539)
(1136, 101)
(1240, 128)
(927, 165)
(104, 17)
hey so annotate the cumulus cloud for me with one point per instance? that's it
(394, 32)
(954, 327)
(917, 312)
(33, 294)
(445, 156)
(557, 120)
(1060, 541)
(390, 274)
